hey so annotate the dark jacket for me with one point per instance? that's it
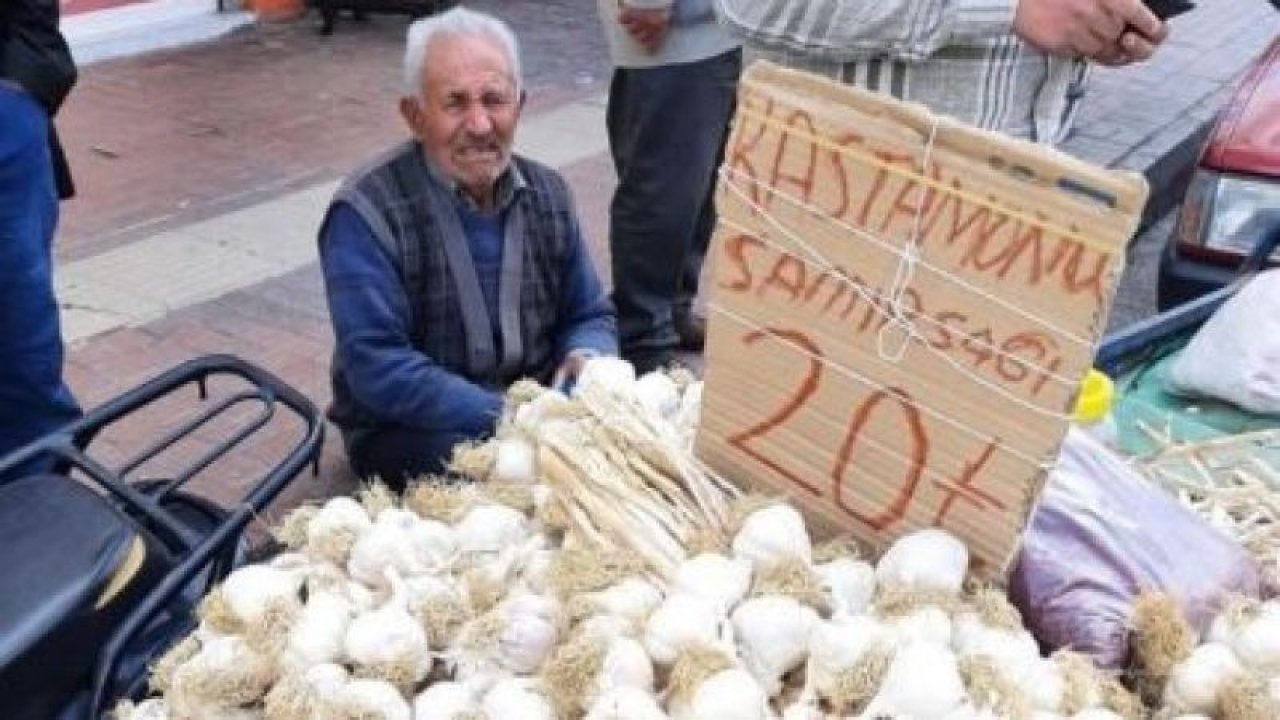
(34, 55)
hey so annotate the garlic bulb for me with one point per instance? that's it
(607, 375)
(517, 698)
(254, 592)
(489, 529)
(224, 673)
(444, 700)
(850, 583)
(771, 535)
(336, 527)
(530, 633)
(516, 461)
(1255, 637)
(625, 664)
(837, 646)
(929, 559)
(1043, 682)
(372, 700)
(772, 633)
(390, 641)
(680, 623)
(927, 623)
(722, 580)
(389, 544)
(923, 681)
(731, 694)
(632, 599)
(657, 394)
(317, 635)
(1194, 684)
(625, 702)
(1016, 651)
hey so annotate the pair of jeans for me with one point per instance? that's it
(34, 400)
(667, 129)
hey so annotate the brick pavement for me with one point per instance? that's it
(164, 140)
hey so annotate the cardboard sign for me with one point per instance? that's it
(901, 310)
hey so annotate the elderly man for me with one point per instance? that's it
(453, 268)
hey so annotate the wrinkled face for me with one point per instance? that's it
(466, 117)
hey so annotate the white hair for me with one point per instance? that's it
(456, 22)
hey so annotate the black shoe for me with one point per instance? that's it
(692, 331)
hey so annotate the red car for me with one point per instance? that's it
(1233, 200)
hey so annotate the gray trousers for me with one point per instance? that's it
(667, 129)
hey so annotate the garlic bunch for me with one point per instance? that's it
(488, 529)
(850, 583)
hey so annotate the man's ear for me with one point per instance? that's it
(411, 111)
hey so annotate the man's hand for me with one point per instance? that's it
(648, 27)
(567, 374)
(1110, 32)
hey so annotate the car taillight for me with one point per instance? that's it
(1218, 208)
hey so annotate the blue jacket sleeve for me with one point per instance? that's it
(588, 321)
(370, 315)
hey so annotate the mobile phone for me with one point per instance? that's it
(1165, 9)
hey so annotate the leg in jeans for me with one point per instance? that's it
(399, 455)
(667, 127)
(34, 400)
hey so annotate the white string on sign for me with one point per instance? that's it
(730, 175)
(817, 258)
(906, 270)
(850, 373)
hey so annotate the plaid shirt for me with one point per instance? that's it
(959, 58)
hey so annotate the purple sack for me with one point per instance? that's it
(1100, 536)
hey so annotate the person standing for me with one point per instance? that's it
(1014, 66)
(670, 102)
(36, 73)
(452, 266)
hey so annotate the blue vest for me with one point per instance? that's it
(413, 216)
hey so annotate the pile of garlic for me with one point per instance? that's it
(477, 603)
(1232, 673)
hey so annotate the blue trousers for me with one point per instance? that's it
(33, 397)
(667, 128)
(397, 455)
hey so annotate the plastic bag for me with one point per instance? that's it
(1235, 356)
(1100, 536)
